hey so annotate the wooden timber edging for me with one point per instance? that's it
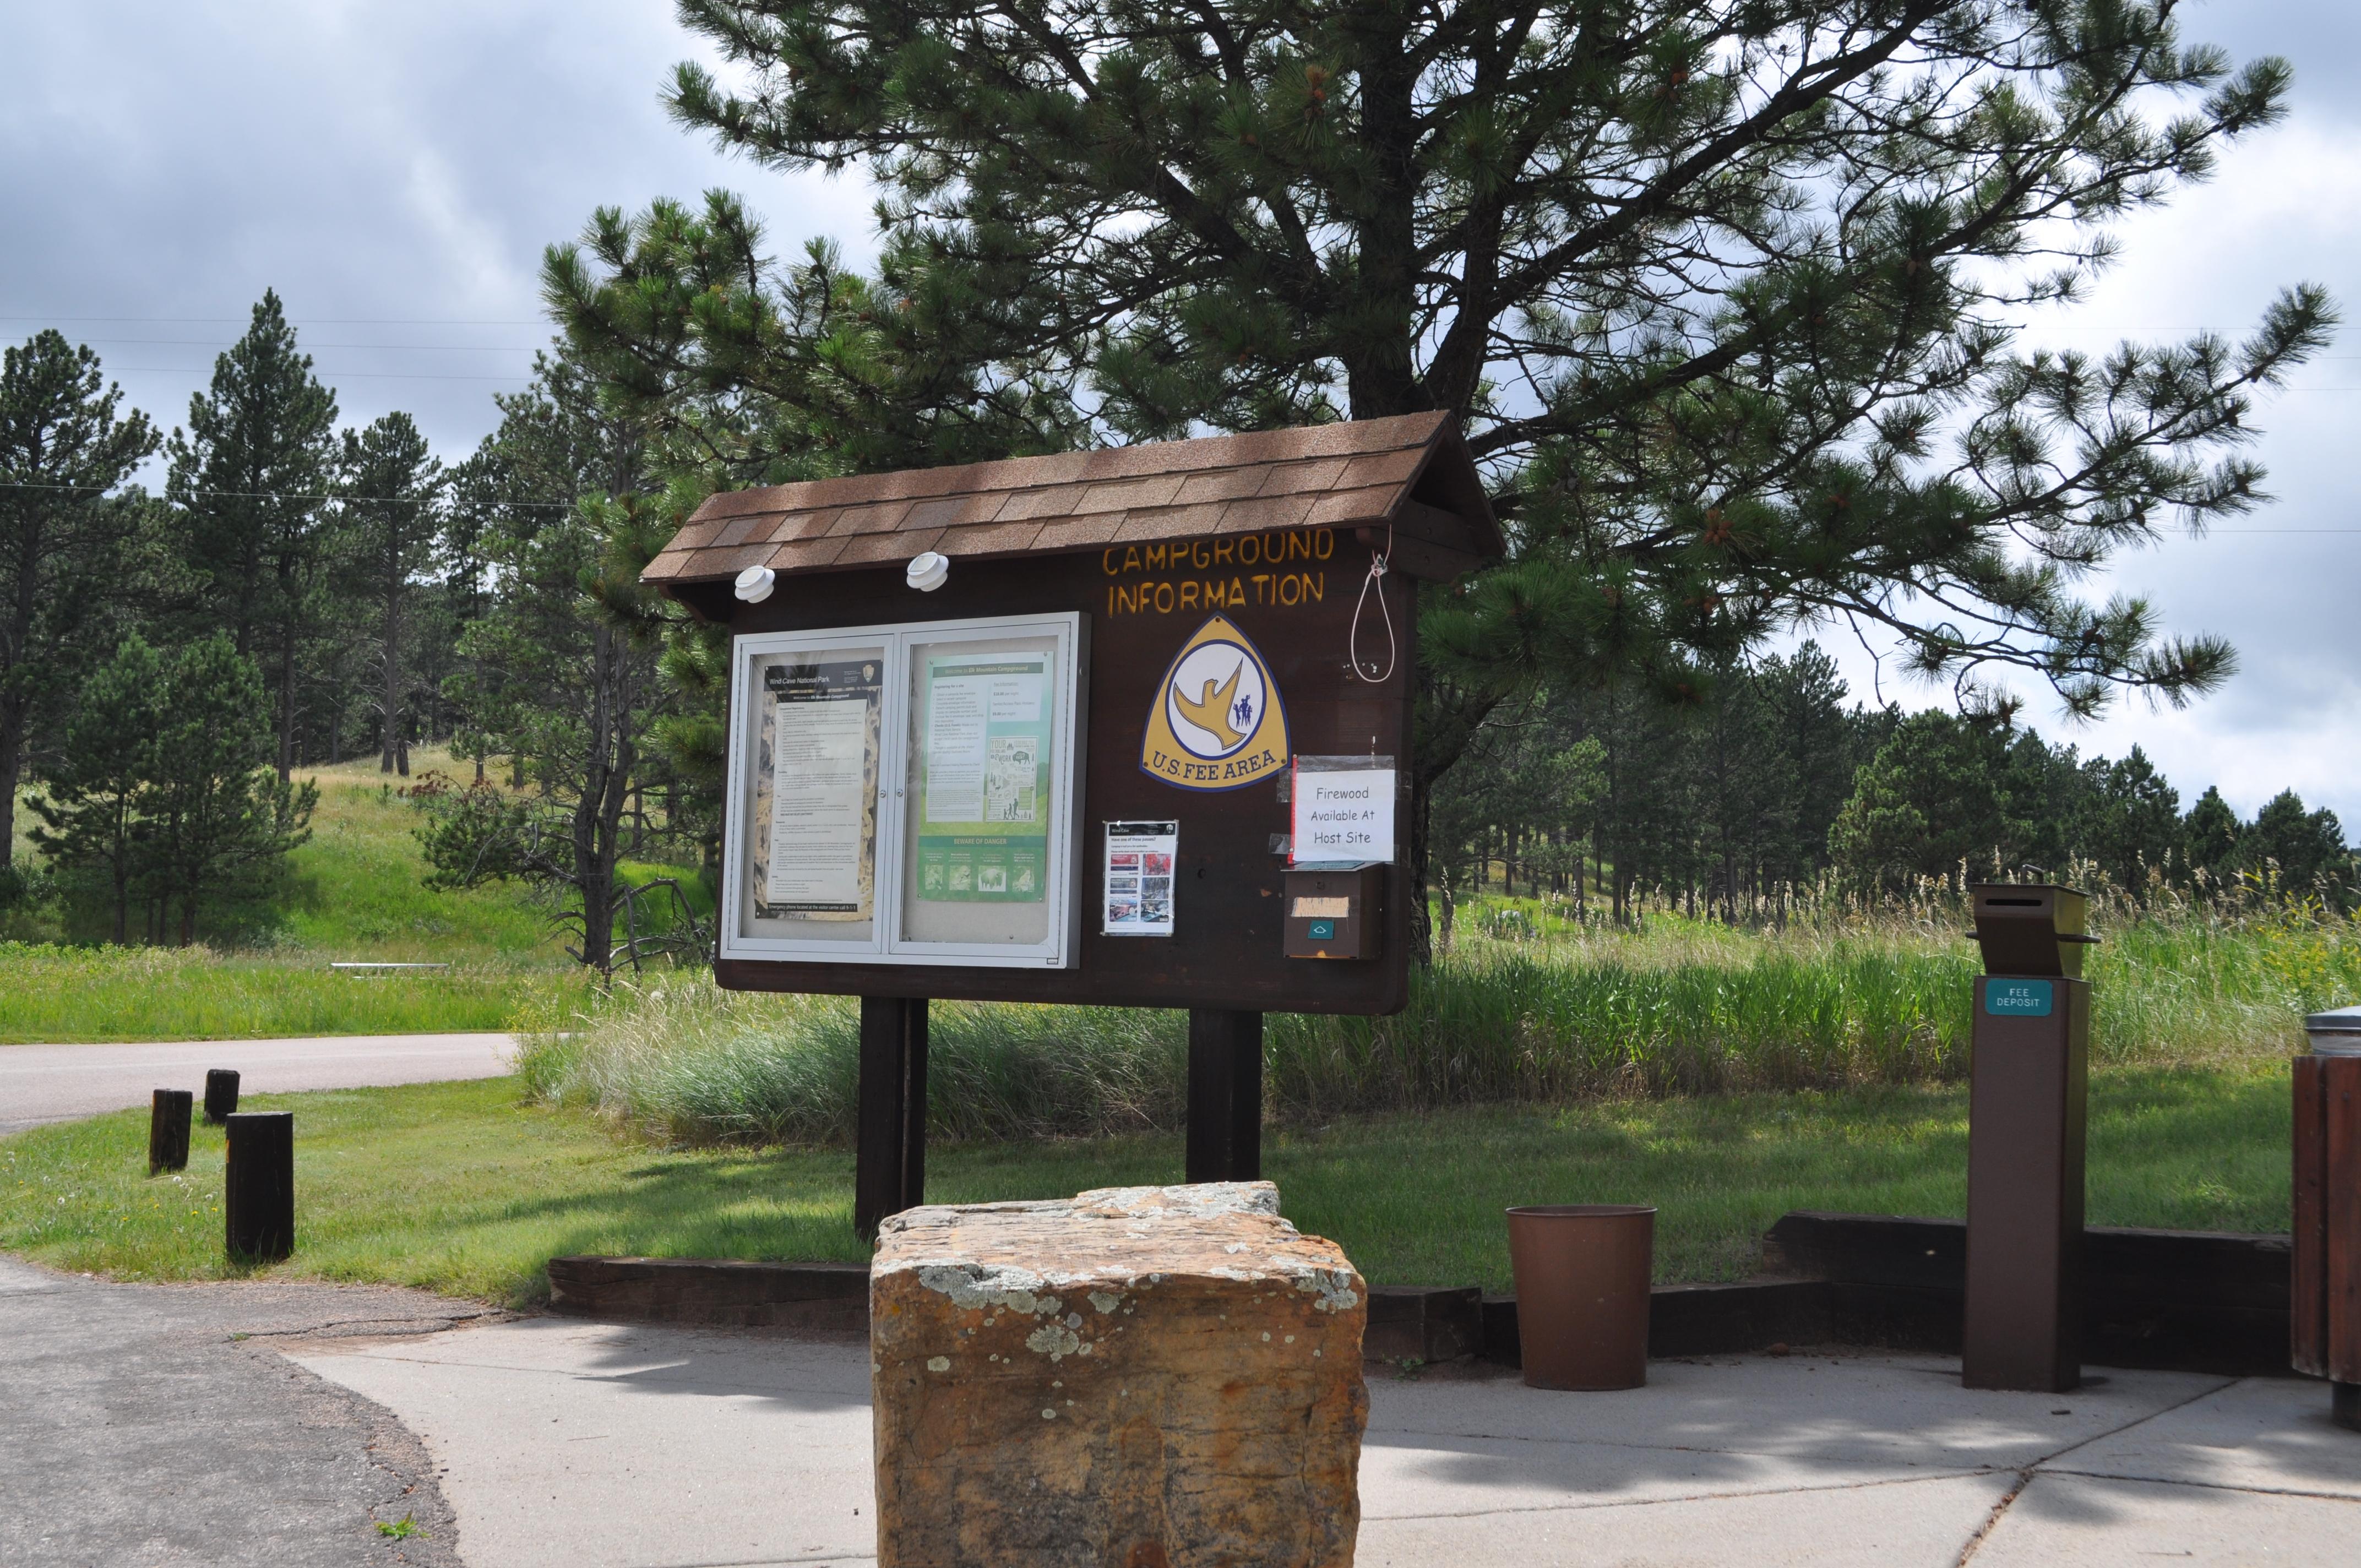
(2176, 1301)
(716, 1292)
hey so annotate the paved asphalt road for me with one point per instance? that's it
(144, 1426)
(55, 1083)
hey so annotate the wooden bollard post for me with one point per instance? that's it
(258, 1190)
(221, 1094)
(168, 1130)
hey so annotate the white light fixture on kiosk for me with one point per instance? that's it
(928, 572)
(755, 583)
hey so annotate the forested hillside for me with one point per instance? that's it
(1774, 785)
(299, 594)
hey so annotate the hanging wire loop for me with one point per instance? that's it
(1353, 641)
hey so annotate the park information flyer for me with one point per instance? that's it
(820, 857)
(983, 834)
(1138, 880)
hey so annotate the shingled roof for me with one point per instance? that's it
(1410, 475)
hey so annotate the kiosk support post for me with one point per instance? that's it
(890, 1158)
(2027, 1103)
(1224, 1095)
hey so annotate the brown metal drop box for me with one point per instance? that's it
(1335, 911)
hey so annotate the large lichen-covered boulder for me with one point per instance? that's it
(1141, 1377)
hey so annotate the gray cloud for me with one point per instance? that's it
(393, 171)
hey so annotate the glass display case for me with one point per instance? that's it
(906, 794)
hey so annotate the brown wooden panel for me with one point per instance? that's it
(2307, 1266)
(2340, 1082)
(1226, 951)
(1417, 557)
(1416, 520)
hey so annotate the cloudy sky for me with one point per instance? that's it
(394, 171)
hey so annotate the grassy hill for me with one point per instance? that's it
(355, 893)
(358, 893)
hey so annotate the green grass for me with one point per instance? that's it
(355, 892)
(468, 1190)
(68, 994)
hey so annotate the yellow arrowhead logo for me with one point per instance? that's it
(1218, 722)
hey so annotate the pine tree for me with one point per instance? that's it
(2047, 793)
(2209, 837)
(1248, 215)
(1820, 746)
(1724, 291)
(249, 475)
(391, 522)
(1931, 800)
(560, 673)
(62, 449)
(2302, 852)
(2131, 823)
(221, 820)
(93, 809)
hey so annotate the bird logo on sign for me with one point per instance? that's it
(1218, 722)
(1211, 711)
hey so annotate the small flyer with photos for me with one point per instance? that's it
(1139, 880)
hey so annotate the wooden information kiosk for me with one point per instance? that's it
(1129, 727)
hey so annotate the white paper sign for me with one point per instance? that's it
(1342, 814)
(817, 799)
(1138, 886)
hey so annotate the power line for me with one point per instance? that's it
(293, 321)
(276, 496)
(332, 375)
(436, 347)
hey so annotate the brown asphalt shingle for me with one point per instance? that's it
(1356, 473)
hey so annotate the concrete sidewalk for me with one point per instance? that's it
(56, 1084)
(604, 1446)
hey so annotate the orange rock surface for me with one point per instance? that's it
(1140, 1377)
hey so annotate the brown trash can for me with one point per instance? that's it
(1583, 1272)
(2325, 1270)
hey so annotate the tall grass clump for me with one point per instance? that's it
(1547, 1013)
(2187, 988)
(1545, 1022)
(687, 1063)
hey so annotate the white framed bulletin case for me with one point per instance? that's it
(904, 794)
